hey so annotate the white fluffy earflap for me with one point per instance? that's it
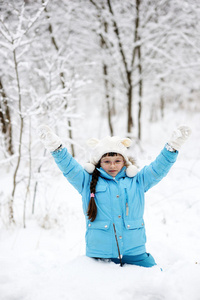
(131, 171)
(89, 167)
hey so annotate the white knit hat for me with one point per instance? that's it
(106, 145)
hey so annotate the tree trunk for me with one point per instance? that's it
(36, 185)
(5, 120)
(162, 106)
(29, 174)
(162, 101)
(11, 210)
(105, 72)
(128, 71)
(104, 46)
(130, 102)
(140, 93)
(62, 79)
(108, 99)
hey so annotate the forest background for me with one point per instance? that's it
(88, 69)
(92, 68)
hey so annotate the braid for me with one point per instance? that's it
(92, 207)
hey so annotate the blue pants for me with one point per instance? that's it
(143, 260)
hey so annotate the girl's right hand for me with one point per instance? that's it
(49, 139)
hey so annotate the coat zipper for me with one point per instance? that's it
(120, 256)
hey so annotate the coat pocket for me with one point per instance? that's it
(101, 194)
(98, 237)
(101, 225)
(134, 224)
(134, 233)
(101, 188)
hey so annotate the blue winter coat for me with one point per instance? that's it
(119, 200)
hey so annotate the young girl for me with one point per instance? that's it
(112, 192)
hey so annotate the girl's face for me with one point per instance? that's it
(112, 164)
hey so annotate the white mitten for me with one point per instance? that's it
(179, 136)
(49, 139)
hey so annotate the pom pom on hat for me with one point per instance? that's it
(131, 171)
(89, 167)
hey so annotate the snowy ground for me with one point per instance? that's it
(40, 264)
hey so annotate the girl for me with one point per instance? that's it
(112, 192)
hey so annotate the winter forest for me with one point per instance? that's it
(92, 68)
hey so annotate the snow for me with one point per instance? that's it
(46, 267)
(46, 260)
(38, 263)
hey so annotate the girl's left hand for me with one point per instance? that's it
(179, 136)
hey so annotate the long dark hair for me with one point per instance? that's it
(92, 207)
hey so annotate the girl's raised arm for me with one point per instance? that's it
(70, 168)
(152, 174)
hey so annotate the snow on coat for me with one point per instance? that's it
(119, 201)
